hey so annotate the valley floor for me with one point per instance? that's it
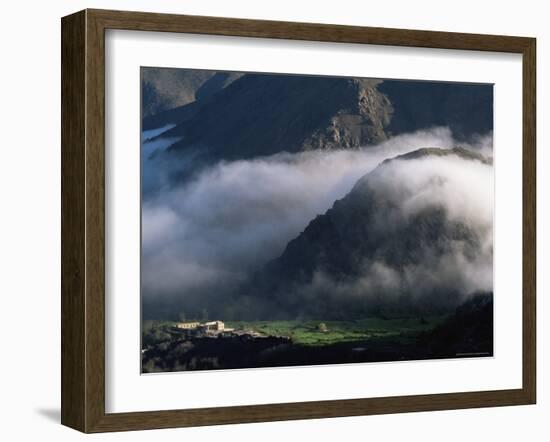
(252, 344)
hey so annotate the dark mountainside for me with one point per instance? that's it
(240, 116)
(216, 83)
(244, 120)
(351, 236)
(468, 332)
(166, 89)
(467, 109)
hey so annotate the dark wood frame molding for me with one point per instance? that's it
(83, 217)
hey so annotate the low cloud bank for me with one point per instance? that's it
(202, 239)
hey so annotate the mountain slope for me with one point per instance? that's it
(171, 96)
(467, 332)
(260, 115)
(393, 242)
(164, 89)
(242, 116)
(466, 108)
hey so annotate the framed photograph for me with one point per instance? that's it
(268, 220)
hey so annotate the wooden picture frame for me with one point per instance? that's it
(83, 220)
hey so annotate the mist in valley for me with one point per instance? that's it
(206, 237)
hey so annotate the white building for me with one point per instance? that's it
(188, 325)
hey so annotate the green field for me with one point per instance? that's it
(313, 334)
